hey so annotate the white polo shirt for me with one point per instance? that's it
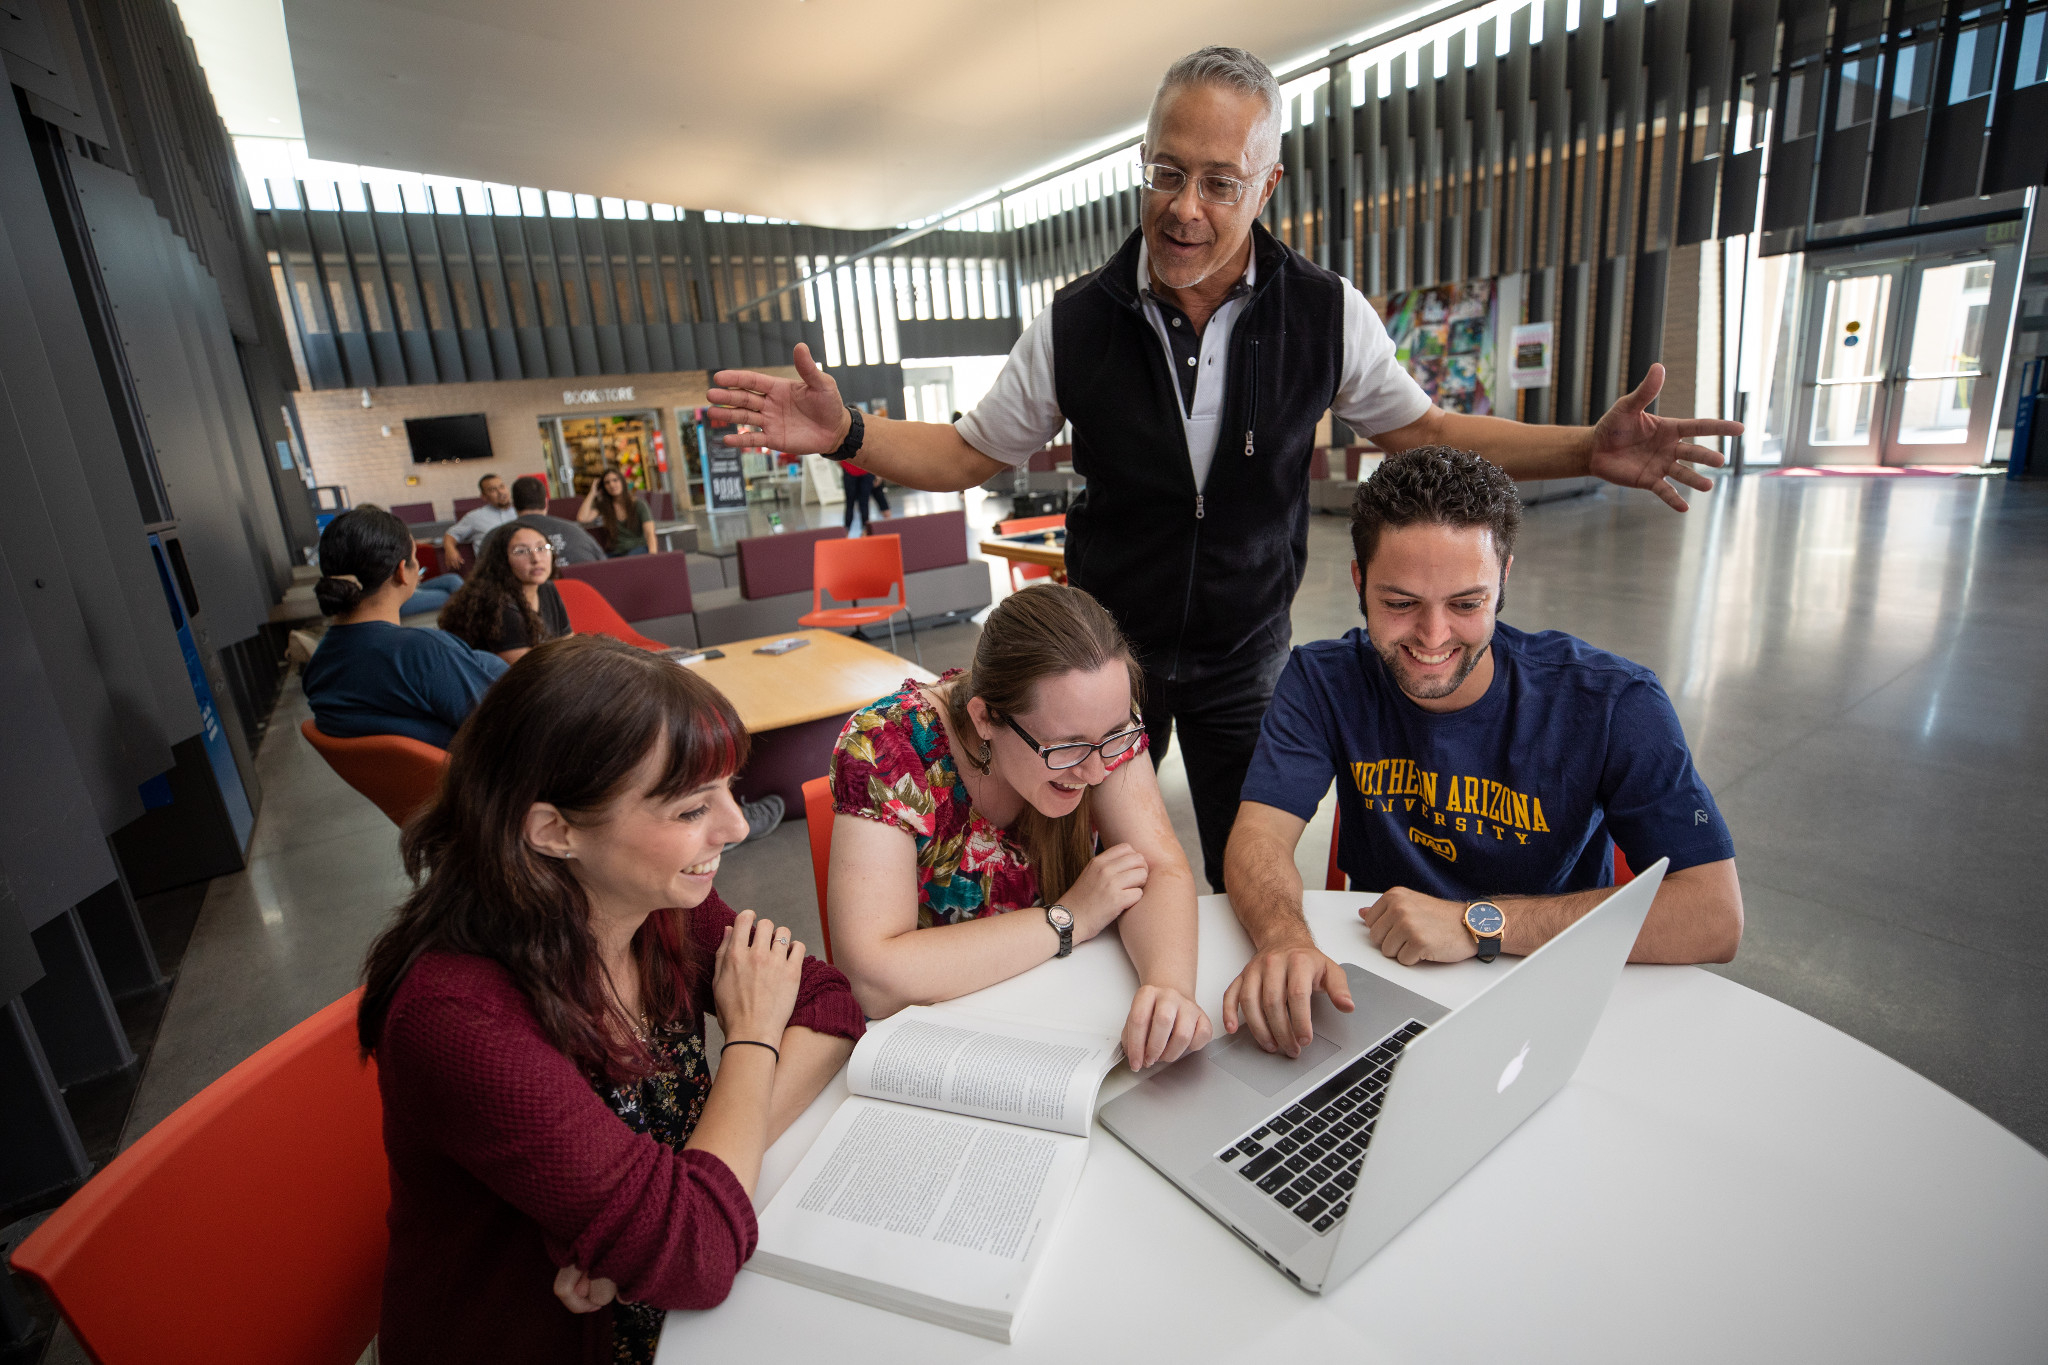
(479, 522)
(1021, 413)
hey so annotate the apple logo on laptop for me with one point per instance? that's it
(1512, 1069)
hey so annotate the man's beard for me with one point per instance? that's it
(1396, 661)
(1199, 276)
(1216, 263)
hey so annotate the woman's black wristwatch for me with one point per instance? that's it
(850, 447)
(1062, 921)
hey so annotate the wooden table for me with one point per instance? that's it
(1030, 547)
(795, 704)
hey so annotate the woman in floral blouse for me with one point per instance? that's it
(990, 792)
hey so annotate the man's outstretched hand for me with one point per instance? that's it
(1637, 449)
(801, 416)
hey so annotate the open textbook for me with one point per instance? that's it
(934, 1190)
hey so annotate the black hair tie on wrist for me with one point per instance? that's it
(754, 1042)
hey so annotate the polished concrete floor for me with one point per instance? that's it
(1861, 666)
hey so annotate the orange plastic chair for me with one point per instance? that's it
(1623, 873)
(397, 773)
(1020, 572)
(852, 569)
(1334, 880)
(245, 1229)
(590, 614)
(818, 820)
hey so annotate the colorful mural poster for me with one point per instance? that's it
(1444, 336)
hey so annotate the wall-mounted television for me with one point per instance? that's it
(434, 439)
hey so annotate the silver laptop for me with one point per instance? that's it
(1318, 1160)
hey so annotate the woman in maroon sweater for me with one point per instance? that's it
(563, 1166)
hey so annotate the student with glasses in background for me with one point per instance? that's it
(1194, 366)
(990, 821)
(510, 603)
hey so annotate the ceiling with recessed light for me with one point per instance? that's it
(852, 113)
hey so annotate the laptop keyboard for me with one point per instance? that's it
(1306, 1157)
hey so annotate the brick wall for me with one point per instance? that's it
(347, 444)
(1681, 352)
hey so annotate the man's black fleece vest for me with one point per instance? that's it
(1197, 580)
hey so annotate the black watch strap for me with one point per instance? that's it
(855, 434)
(1489, 948)
(1065, 931)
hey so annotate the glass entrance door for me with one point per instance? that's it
(1901, 357)
(1850, 339)
(1943, 394)
(928, 394)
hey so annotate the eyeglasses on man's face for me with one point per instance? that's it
(1062, 756)
(1161, 178)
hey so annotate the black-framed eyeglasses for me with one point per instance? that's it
(1161, 178)
(1059, 757)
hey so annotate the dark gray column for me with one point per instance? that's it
(74, 1015)
(120, 944)
(39, 1148)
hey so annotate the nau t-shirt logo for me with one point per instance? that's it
(1435, 845)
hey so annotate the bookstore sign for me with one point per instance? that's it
(583, 397)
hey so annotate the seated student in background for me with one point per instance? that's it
(573, 544)
(1474, 761)
(627, 520)
(564, 1167)
(509, 604)
(472, 526)
(969, 812)
(432, 593)
(370, 675)
(429, 594)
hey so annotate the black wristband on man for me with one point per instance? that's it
(856, 430)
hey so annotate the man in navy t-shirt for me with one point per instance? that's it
(1474, 761)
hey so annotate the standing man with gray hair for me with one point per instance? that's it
(1194, 366)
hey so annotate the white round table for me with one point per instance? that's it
(1725, 1179)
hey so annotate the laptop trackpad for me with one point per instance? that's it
(1268, 1072)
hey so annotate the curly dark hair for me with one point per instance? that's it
(473, 613)
(1436, 485)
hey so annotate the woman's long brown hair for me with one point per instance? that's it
(480, 888)
(473, 614)
(1042, 632)
(608, 510)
